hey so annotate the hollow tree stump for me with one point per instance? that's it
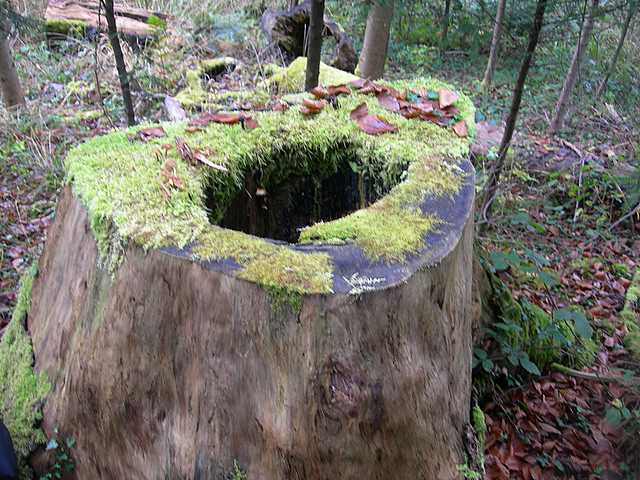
(175, 356)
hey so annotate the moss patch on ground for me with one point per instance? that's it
(22, 390)
(119, 182)
(630, 316)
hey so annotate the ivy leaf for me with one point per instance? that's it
(528, 365)
(583, 327)
(52, 445)
(499, 261)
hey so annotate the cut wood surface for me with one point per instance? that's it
(131, 21)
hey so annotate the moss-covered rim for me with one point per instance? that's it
(119, 183)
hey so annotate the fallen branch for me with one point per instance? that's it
(633, 211)
(594, 376)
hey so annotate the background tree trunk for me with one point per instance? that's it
(494, 176)
(120, 64)
(572, 75)
(495, 46)
(633, 8)
(292, 4)
(376, 40)
(12, 92)
(314, 50)
(445, 26)
(191, 368)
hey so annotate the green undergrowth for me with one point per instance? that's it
(70, 28)
(22, 390)
(118, 180)
(630, 316)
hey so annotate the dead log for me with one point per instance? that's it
(287, 30)
(80, 17)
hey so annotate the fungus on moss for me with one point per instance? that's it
(119, 182)
(22, 390)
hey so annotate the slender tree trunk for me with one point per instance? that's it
(376, 40)
(316, 25)
(120, 65)
(572, 75)
(445, 26)
(633, 8)
(292, 4)
(495, 46)
(494, 176)
(12, 92)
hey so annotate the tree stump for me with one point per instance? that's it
(184, 329)
(287, 29)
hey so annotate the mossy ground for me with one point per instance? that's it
(22, 390)
(119, 182)
(71, 28)
(630, 316)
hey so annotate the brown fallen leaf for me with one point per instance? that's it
(184, 150)
(388, 102)
(170, 177)
(359, 83)
(359, 112)
(311, 107)
(374, 125)
(319, 92)
(201, 157)
(149, 133)
(447, 98)
(335, 90)
(190, 129)
(461, 129)
(280, 106)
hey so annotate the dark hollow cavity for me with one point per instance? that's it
(290, 193)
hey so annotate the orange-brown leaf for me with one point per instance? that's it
(319, 92)
(311, 107)
(447, 98)
(388, 102)
(461, 129)
(335, 90)
(374, 125)
(359, 112)
(147, 134)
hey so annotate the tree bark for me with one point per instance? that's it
(376, 40)
(494, 176)
(190, 368)
(633, 8)
(572, 75)
(445, 26)
(495, 46)
(12, 92)
(120, 64)
(292, 4)
(314, 50)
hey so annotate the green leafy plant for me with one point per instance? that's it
(63, 463)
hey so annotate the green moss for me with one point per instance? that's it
(630, 316)
(480, 426)
(119, 182)
(22, 390)
(70, 28)
(291, 79)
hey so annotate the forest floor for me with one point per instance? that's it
(559, 202)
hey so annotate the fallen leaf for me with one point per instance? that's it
(249, 122)
(335, 90)
(201, 157)
(184, 150)
(280, 106)
(311, 107)
(460, 128)
(446, 98)
(319, 92)
(359, 112)
(191, 129)
(388, 102)
(374, 125)
(147, 134)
